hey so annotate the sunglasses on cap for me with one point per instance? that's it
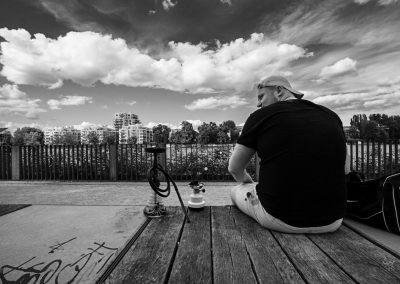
(261, 86)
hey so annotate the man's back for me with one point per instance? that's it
(302, 150)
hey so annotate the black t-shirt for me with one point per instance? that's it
(302, 150)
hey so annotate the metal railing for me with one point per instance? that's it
(5, 162)
(182, 161)
(202, 162)
(374, 159)
(133, 162)
(64, 162)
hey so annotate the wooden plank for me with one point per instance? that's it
(314, 265)
(269, 261)
(364, 261)
(193, 259)
(231, 263)
(148, 260)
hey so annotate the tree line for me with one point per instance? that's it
(207, 133)
(375, 127)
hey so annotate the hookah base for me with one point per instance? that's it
(156, 211)
(196, 209)
(196, 205)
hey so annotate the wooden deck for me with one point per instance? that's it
(222, 245)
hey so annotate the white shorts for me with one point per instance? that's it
(244, 196)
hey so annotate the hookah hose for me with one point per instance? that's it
(164, 192)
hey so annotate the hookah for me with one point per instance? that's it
(196, 201)
(155, 208)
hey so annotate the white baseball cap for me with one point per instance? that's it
(274, 81)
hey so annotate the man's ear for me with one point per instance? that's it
(279, 94)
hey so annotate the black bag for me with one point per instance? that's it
(375, 202)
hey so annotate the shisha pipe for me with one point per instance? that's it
(196, 198)
(155, 208)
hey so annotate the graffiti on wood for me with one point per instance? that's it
(85, 266)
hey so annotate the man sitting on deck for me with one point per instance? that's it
(302, 149)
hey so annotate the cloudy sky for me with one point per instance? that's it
(78, 62)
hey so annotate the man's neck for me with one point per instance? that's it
(288, 99)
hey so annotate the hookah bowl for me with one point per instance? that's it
(196, 201)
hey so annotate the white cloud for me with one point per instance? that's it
(229, 2)
(310, 95)
(196, 123)
(130, 103)
(341, 67)
(168, 4)
(68, 101)
(387, 2)
(88, 57)
(86, 124)
(170, 125)
(217, 102)
(378, 99)
(387, 82)
(12, 126)
(15, 101)
(380, 2)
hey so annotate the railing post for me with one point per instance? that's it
(162, 158)
(113, 162)
(15, 160)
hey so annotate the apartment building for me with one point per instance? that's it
(142, 134)
(51, 133)
(125, 119)
(100, 131)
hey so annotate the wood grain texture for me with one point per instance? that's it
(223, 245)
(8, 208)
(148, 259)
(270, 262)
(314, 265)
(230, 259)
(193, 258)
(364, 261)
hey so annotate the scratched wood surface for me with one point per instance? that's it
(361, 259)
(149, 258)
(222, 245)
(271, 264)
(193, 259)
(8, 208)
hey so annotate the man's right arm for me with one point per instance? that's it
(238, 162)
